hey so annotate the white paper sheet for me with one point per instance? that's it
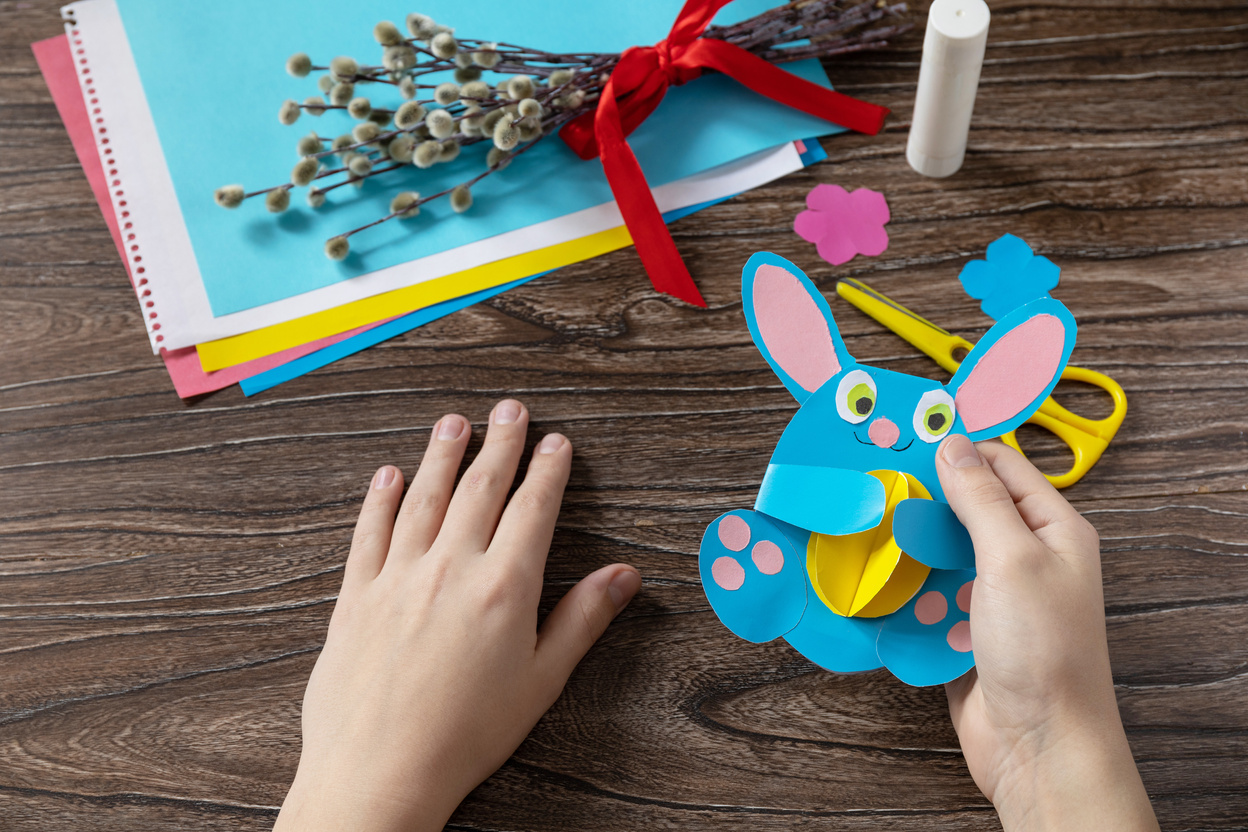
(179, 314)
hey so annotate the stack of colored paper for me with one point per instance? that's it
(166, 103)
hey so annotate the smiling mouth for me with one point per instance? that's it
(868, 442)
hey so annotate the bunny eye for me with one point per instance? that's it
(855, 396)
(934, 416)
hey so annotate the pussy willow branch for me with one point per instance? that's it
(474, 180)
(795, 31)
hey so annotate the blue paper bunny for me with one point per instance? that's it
(854, 419)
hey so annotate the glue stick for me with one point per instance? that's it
(953, 52)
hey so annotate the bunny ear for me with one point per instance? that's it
(791, 324)
(1013, 368)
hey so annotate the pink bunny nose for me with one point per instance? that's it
(883, 432)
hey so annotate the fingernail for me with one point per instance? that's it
(960, 453)
(383, 477)
(506, 412)
(550, 443)
(623, 587)
(450, 427)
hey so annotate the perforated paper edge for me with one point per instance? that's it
(111, 86)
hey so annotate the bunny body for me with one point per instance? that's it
(760, 568)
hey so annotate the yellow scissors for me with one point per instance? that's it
(1086, 438)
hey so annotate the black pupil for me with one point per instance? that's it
(863, 406)
(936, 421)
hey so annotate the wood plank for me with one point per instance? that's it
(167, 570)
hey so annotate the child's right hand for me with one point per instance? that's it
(1037, 717)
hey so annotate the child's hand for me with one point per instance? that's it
(434, 669)
(1037, 717)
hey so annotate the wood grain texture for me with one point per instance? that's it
(167, 570)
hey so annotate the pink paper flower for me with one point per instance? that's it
(843, 224)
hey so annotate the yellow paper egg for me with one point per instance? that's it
(866, 575)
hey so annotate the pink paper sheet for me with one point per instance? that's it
(56, 62)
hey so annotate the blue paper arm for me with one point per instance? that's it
(929, 532)
(818, 499)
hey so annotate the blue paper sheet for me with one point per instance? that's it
(213, 76)
(384, 332)
(356, 343)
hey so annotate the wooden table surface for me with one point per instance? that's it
(167, 569)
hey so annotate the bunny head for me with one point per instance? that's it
(860, 418)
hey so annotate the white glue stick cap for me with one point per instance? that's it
(953, 52)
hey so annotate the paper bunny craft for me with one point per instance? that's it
(851, 552)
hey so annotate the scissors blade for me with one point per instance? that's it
(934, 342)
(861, 295)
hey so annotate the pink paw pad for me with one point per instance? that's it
(767, 557)
(728, 574)
(931, 608)
(964, 596)
(734, 533)
(959, 637)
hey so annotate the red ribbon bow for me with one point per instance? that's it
(635, 88)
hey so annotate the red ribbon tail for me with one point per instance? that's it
(780, 85)
(654, 244)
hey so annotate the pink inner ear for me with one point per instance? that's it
(1016, 369)
(793, 327)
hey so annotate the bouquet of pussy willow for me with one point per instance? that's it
(430, 99)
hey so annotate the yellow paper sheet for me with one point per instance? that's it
(226, 352)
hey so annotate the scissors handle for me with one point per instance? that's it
(1086, 438)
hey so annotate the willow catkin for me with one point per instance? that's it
(487, 56)
(337, 248)
(520, 86)
(344, 68)
(426, 154)
(229, 196)
(448, 151)
(446, 94)
(506, 134)
(401, 148)
(304, 171)
(405, 204)
(365, 132)
(308, 145)
(421, 26)
(444, 45)
(461, 199)
(277, 200)
(441, 124)
(387, 34)
(341, 93)
(299, 65)
(409, 115)
(289, 112)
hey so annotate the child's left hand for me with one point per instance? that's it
(434, 669)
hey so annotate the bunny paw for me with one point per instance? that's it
(928, 641)
(752, 575)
